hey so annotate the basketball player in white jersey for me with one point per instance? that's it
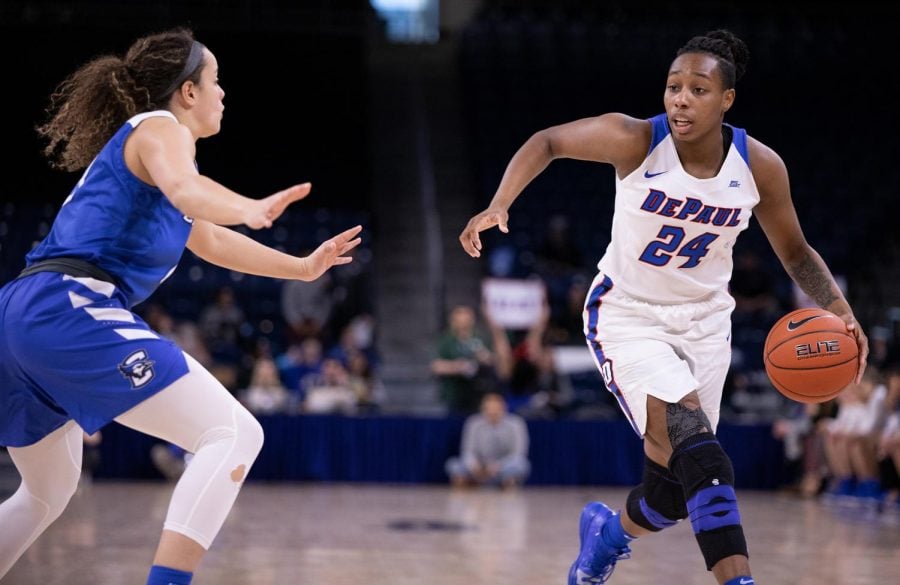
(657, 317)
(72, 354)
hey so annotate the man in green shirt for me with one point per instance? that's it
(464, 363)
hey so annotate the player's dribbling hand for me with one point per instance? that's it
(331, 253)
(488, 218)
(862, 343)
(265, 211)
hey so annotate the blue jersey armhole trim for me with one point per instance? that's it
(660, 126)
(739, 139)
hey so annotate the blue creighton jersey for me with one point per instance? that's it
(118, 223)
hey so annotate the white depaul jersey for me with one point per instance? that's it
(672, 234)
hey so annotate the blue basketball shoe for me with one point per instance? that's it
(596, 561)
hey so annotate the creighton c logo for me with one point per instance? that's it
(137, 368)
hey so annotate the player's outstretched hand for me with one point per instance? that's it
(488, 218)
(331, 253)
(862, 343)
(265, 211)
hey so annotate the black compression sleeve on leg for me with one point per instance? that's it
(659, 501)
(708, 479)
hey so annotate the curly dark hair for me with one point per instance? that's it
(90, 105)
(729, 50)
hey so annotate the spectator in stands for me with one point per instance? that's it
(464, 364)
(366, 386)
(357, 336)
(494, 448)
(525, 370)
(804, 447)
(295, 364)
(852, 439)
(265, 394)
(331, 391)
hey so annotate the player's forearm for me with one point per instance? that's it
(528, 162)
(201, 197)
(812, 275)
(235, 251)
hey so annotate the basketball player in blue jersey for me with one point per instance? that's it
(72, 354)
(657, 317)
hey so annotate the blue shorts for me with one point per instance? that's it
(70, 349)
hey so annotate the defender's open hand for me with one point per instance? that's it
(331, 253)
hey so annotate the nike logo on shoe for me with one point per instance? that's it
(649, 175)
(792, 326)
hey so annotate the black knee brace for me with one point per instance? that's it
(659, 501)
(705, 471)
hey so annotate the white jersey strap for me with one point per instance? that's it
(135, 120)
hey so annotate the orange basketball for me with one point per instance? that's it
(810, 356)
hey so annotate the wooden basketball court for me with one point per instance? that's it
(323, 534)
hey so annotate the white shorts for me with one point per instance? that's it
(666, 351)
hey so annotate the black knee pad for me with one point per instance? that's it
(705, 471)
(659, 501)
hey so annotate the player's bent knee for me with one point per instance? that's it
(699, 461)
(645, 515)
(250, 433)
(245, 437)
(659, 501)
(706, 473)
(53, 498)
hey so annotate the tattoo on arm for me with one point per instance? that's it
(814, 279)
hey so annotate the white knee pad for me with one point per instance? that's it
(207, 489)
(245, 434)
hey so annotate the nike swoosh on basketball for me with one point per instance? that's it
(792, 325)
(649, 175)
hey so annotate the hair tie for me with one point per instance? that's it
(195, 57)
